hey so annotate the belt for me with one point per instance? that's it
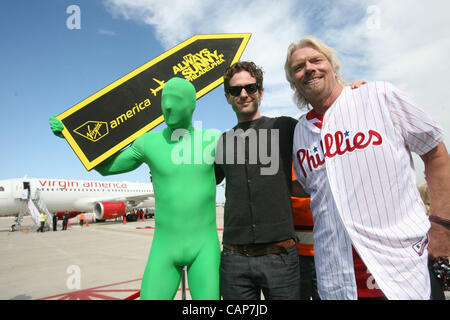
(255, 250)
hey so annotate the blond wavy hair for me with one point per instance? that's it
(319, 45)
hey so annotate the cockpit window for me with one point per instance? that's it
(2, 189)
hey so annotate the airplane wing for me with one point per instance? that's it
(136, 200)
(132, 201)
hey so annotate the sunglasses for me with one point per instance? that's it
(249, 88)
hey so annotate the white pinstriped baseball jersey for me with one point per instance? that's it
(359, 172)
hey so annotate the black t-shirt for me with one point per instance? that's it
(255, 157)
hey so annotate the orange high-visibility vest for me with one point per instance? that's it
(303, 223)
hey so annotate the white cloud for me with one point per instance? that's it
(274, 25)
(173, 20)
(411, 49)
(104, 32)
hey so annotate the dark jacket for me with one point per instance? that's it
(258, 180)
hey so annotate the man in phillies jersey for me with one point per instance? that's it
(370, 241)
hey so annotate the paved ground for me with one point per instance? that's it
(102, 261)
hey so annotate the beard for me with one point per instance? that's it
(247, 110)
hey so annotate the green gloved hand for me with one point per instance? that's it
(56, 126)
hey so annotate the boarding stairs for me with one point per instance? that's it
(32, 205)
(40, 204)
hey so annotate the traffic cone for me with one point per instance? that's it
(87, 222)
(124, 219)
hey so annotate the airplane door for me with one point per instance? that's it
(21, 189)
(26, 189)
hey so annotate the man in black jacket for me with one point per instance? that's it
(255, 157)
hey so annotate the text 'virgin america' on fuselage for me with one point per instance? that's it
(60, 195)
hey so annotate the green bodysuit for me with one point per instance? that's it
(181, 160)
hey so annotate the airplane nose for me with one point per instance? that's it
(7, 207)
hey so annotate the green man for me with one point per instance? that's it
(181, 160)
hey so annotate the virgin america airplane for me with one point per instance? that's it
(106, 199)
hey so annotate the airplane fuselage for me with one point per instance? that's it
(70, 195)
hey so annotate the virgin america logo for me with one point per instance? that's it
(337, 144)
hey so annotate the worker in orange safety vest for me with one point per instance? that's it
(303, 222)
(81, 218)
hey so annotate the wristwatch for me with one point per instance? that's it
(439, 220)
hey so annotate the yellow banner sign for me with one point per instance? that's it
(115, 116)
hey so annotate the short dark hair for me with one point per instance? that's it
(248, 66)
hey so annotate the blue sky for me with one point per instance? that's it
(46, 68)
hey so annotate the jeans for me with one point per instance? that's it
(244, 277)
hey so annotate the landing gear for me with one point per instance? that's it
(15, 227)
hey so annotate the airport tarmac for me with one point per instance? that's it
(102, 261)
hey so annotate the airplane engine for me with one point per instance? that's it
(109, 209)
